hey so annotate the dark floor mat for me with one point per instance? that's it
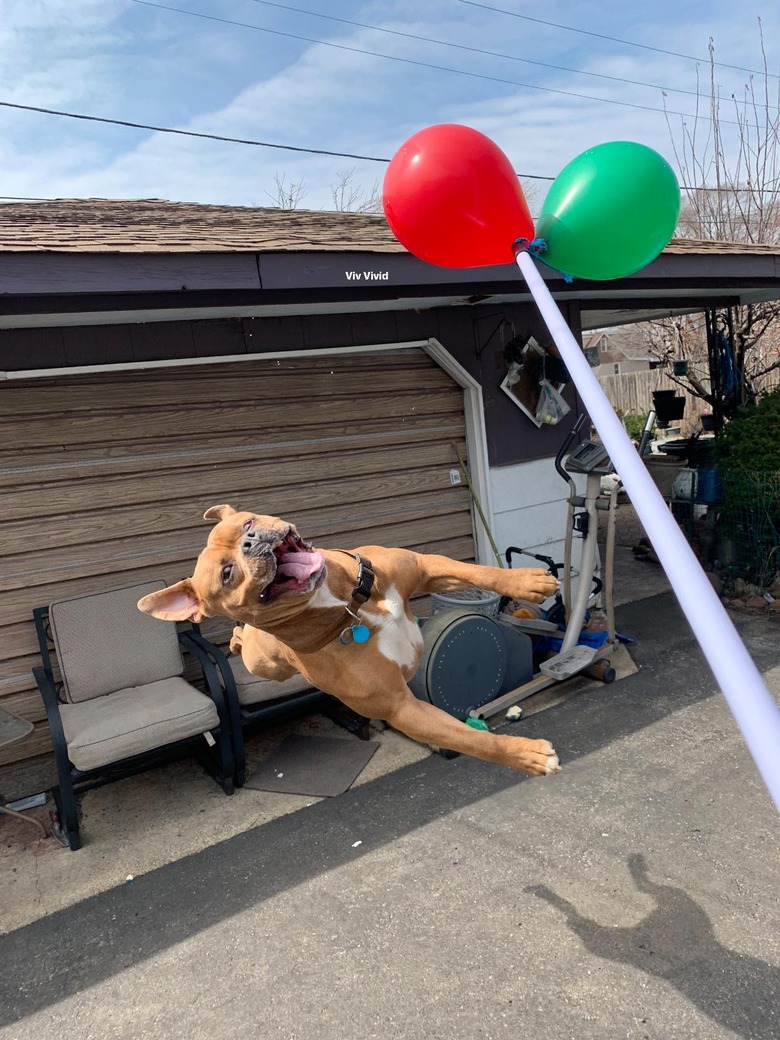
(318, 766)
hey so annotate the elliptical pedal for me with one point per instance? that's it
(568, 662)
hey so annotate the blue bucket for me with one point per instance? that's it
(708, 486)
(553, 644)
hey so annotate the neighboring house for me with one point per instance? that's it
(617, 351)
(157, 358)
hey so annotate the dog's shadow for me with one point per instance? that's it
(676, 942)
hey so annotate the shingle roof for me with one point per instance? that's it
(698, 245)
(158, 226)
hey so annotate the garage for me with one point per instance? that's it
(106, 475)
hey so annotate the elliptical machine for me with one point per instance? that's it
(474, 666)
(564, 621)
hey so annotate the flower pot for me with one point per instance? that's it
(668, 406)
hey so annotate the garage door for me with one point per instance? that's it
(105, 478)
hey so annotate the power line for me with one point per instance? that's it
(420, 64)
(211, 137)
(214, 137)
(190, 133)
(281, 147)
(615, 39)
(474, 50)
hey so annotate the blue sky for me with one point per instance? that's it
(126, 60)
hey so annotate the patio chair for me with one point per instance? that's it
(121, 704)
(252, 699)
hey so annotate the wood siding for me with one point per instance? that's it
(104, 478)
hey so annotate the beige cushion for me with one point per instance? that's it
(130, 722)
(253, 689)
(105, 643)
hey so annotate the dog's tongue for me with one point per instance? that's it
(300, 565)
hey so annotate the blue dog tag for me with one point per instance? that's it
(361, 633)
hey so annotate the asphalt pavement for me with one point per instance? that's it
(633, 895)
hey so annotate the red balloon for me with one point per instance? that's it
(452, 198)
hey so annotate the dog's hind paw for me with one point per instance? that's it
(237, 640)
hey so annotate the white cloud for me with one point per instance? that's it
(154, 66)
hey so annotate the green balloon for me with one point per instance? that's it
(610, 211)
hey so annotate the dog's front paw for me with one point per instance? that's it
(535, 584)
(536, 757)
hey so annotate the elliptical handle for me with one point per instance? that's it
(642, 448)
(510, 550)
(535, 556)
(565, 447)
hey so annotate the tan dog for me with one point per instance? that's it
(298, 606)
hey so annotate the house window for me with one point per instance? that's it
(603, 344)
(616, 370)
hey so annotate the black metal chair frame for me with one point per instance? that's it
(241, 715)
(290, 707)
(218, 760)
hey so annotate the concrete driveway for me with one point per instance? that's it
(634, 895)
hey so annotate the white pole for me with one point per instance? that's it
(735, 672)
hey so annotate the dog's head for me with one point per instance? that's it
(251, 565)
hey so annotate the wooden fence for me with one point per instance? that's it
(631, 393)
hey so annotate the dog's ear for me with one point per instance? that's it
(219, 512)
(176, 603)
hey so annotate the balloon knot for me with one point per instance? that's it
(525, 245)
(537, 248)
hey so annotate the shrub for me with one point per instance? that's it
(751, 441)
(634, 425)
(748, 458)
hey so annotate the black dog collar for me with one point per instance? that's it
(358, 632)
(365, 580)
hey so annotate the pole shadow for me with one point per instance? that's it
(676, 942)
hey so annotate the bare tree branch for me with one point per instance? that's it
(740, 203)
(287, 196)
(348, 197)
